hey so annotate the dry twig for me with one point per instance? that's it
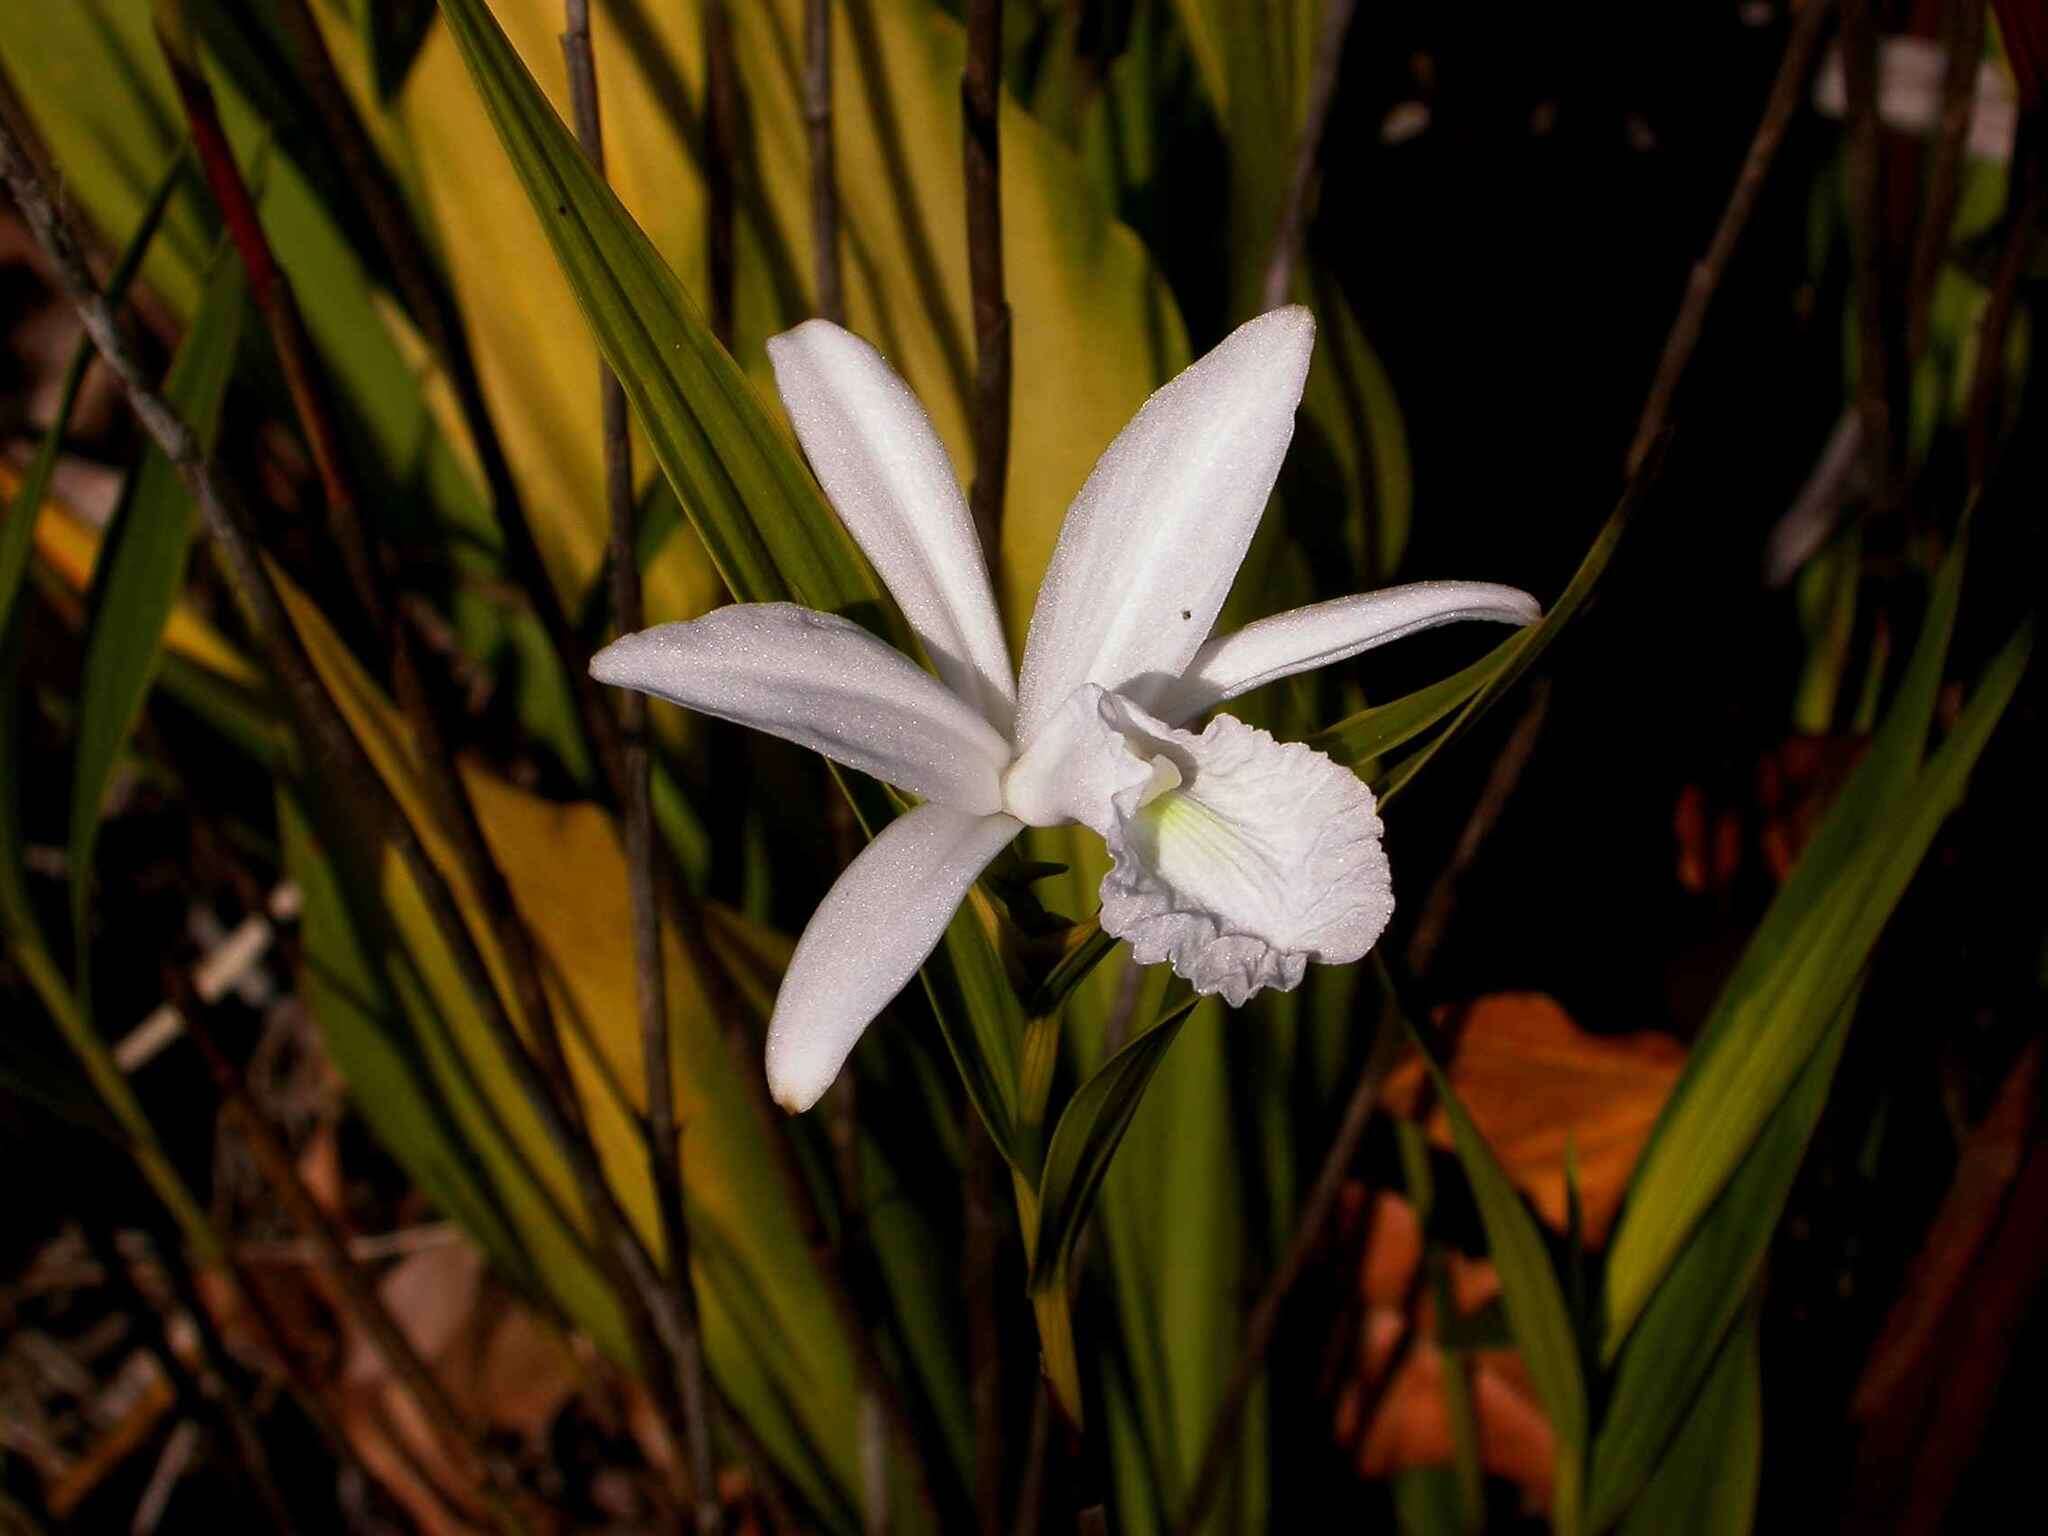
(650, 983)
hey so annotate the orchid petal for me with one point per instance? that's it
(875, 927)
(1322, 633)
(1236, 858)
(1076, 765)
(825, 683)
(1152, 543)
(888, 477)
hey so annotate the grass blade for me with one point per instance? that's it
(749, 497)
(136, 583)
(1802, 963)
(1532, 1293)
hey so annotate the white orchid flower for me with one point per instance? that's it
(1237, 858)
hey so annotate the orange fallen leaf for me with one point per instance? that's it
(1531, 1078)
(1410, 1421)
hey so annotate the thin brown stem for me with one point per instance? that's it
(1292, 226)
(1865, 189)
(980, 118)
(1308, 1235)
(432, 307)
(649, 976)
(1963, 45)
(358, 1293)
(2023, 223)
(457, 812)
(982, 1244)
(302, 1380)
(271, 291)
(721, 164)
(1679, 346)
(366, 801)
(211, 1395)
(831, 296)
(1787, 89)
(1486, 812)
(981, 84)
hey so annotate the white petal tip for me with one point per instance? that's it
(791, 1100)
(1290, 329)
(810, 330)
(796, 1083)
(615, 663)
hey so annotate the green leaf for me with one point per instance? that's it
(1357, 739)
(1803, 961)
(1675, 1346)
(982, 1021)
(1086, 1138)
(1531, 1292)
(140, 571)
(1076, 1161)
(773, 1339)
(17, 539)
(749, 497)
(1429, 1501)
(17, 544)
(1706, 1484)
(1365, 735)
(365, 1032)
(393, 32)
(1351, 400)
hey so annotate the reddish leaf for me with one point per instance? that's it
(1531, 1078)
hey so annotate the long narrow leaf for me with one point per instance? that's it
(1086, 1138)
(747, 494)
(1675, 1345)
(1799, 967)
(136, 583)
(1706, 1484)
(1532, 1293)
(17, 539)
(17, 544)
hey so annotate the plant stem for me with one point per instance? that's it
(831, 296)
(1787, 90)
(980, 111)
(1292, 226)
(358, 1293)
(1308, 1233)
(274, 300)
(1679, 346)
(1865, 185)
(650, 981)
(1500, 786)
(328, 740)
(432, 307)
(982, 1244)
(721, 157)
(1963, 44)
(211, 1397)
(2023, 217)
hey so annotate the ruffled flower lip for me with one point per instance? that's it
(1237, 859)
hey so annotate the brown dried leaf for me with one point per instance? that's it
(1531, 1078)
(1410, 1422)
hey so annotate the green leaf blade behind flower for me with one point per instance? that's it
(1087, 1136)
(1077, 1159)
(1533, 1295)
(1664, 1368)
(140, 571)
(1804, 959)
(749, 497)
(1707, 1482)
